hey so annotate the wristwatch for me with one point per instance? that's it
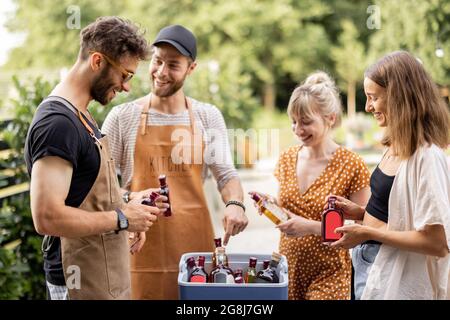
(126, 196)
(122, 221)
(236, 203)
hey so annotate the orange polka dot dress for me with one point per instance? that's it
(317, 271)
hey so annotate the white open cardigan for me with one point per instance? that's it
(420, 196)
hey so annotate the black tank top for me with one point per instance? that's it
(380, 186)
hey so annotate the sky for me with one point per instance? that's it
(9, 40)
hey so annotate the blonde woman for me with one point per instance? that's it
(408, 213)
(307, 173)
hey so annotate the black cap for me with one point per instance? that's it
(179, 37)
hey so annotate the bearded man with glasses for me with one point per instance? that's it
(75, 196)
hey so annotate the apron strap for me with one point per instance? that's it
(145, 114)
(77, 112)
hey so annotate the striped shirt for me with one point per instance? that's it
(121, 127)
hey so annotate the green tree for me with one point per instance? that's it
(52, 39)
(349, 57)
(416, 26)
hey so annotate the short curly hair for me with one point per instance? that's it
(114, 37)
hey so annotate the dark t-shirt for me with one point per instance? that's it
(57, 131)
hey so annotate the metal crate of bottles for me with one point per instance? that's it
(236, 291)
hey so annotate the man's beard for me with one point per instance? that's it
(102, 86)
(170, 90)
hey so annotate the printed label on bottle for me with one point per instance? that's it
(333, 220)
(220, 278)
(198, 279)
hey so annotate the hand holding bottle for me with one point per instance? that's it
(139, 195)
(353, 235)
(351, 210)
(140, 217)
(298, 226)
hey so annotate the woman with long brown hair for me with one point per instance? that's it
(405, 235)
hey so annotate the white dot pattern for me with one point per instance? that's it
(316, 271)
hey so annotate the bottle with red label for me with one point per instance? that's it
(164, 191)
(332, 218)
(198, 273)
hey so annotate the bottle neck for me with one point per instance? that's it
(332, 204)
(221, 259)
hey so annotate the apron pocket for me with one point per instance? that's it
(117, 262)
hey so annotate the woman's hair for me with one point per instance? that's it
(317, 94)
(416, 113)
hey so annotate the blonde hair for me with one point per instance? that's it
(416, 113)
(317, 94)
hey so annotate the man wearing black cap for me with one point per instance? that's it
(167, 133)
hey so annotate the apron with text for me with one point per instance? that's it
(177, 152)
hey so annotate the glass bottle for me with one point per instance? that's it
(151, 200)
(251, 270)
(332, 218)
(270, 274)
(238, 277)
(190, 264)
(270, 210)
(218, 244)
(221, 273)
(164, 191)
(266, 264)
(198, 273)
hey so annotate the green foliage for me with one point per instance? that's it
(228, 89)
(20, 255)
(348, 54)
(416, 26)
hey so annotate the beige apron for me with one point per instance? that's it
(154, 270)
(102, 260)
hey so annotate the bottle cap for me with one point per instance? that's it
(255, 197)
(276, 256)
(190, 262)
(201, 261)
(162, 179)
(266, 264)
(218, 242)
(238, 272)
(252, 262)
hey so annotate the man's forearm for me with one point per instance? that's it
(75, 223)
(232, 190)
